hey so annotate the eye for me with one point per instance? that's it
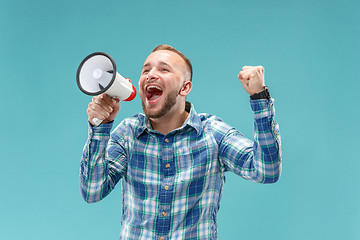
(145, 71)
(164, 70)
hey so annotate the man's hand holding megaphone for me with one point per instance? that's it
(104, 108)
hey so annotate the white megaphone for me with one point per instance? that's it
(97, 74)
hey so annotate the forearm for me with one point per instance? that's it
(258, 160)
(267, 142)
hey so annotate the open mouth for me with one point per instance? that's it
(153, 93)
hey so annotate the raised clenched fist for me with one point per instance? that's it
(252, 79)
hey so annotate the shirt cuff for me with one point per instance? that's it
(263, 108)
(97, 132)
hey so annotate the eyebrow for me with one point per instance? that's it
(160, 63)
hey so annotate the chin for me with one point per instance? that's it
(154, 112)
(160, 110)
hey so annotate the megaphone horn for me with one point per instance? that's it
(97, 74)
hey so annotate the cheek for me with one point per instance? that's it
(142, 82)
(141, 85)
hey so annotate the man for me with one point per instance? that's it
(172, 160)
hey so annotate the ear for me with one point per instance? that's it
(186, 88)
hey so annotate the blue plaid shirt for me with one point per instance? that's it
(172, 185)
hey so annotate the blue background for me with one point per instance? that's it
(310, 51)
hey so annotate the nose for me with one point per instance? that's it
(152, 75)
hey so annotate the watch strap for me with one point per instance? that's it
(261, 95)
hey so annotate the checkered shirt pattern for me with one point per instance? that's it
(172, 185)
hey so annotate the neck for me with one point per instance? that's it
(169, 122)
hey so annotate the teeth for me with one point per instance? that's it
(156, 87)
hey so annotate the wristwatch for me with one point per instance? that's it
(261, 95)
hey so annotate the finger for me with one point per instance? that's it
(260, 68)
(114, 103)
(102, 101)
(260, 72)
(244, 73)
(244, 81)
(247, 74)
(109, 100)
(94, 114)
(253, 72)
(96, 110)
(248, 69)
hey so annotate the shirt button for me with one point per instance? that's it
(166, 140)
(161, 238)
(166, 187)
(86, 160)
(167, 165)
(164, 214)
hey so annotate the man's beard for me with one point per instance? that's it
(170, 102)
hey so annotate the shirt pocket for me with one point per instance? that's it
(193, 163)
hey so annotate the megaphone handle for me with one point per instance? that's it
(96, 121)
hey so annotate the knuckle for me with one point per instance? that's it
(97, 100)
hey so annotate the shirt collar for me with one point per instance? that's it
(192, 121)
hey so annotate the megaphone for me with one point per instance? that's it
(97, 74)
